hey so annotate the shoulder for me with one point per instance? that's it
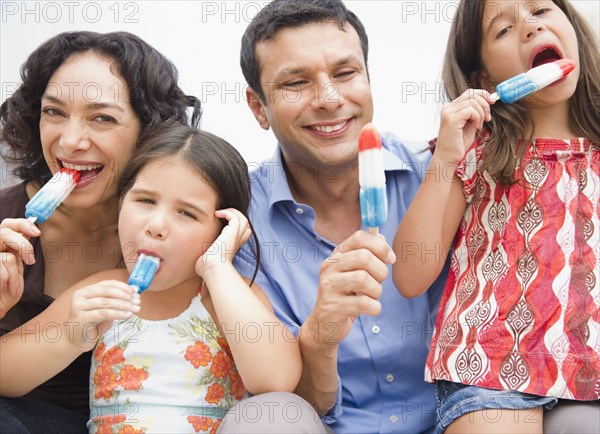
(14, 199)
(412, 155)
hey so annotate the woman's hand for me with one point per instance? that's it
(94, 308)
(15, 249)
(232, 237)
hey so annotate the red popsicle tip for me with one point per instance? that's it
(369, 138)
(566, 65)
(74, 174)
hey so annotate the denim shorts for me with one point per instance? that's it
(456, 400)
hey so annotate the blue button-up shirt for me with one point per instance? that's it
(381, 362)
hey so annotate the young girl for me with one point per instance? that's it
(515, 190)
(165, 360)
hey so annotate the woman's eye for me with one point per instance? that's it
(105, 119)
(145, 200)
(51, 111)
(541, 11)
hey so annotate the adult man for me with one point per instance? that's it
(363, 345)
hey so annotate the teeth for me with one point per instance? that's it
(81, 167)
(329, 129)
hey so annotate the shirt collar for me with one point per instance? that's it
(281, 192)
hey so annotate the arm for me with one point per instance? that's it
(237, 305)
(74, 321)
(428, 228)
(349, 285)
(15, 249)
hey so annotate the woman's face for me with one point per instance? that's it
(88, 124)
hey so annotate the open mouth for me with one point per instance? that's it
(547, 55)
(87, 172)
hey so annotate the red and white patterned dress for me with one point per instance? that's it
(521, 306)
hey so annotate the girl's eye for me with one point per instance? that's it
(187, 214)
(541, 11)
(146, 200)
(503, 31)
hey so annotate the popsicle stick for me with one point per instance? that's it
(374, 231)
(495, 96)
(32, 219)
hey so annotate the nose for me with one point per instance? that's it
(156, 226)
(531, 27)
(327, 96)
(74, 136)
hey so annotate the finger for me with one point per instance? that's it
(10, 273)
(109, 289)
(106, 305)
(352, 283)
(3, 278)
(362, 260)
(357, 304)
(21, 225)
(15, 281)
(11, 241)
(365, 240)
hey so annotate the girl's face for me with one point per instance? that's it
(169, 213)
(520, 35)
(88, 124)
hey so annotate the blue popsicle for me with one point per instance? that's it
(143, 272)
(51, 195)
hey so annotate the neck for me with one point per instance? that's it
(97, 218)
(169, 303)
(333, 194)
(552, 122)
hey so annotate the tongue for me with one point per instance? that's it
(88, 175)
(543, 61)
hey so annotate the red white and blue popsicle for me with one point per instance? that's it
(143, 272)
(371, 176)
(51, 195)
(523, 85)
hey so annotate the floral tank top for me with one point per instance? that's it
(175, 375)
(520, 310)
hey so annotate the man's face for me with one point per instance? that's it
(317, 91)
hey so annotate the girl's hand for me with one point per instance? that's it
(232, 237)
(15, 249)
(94, 308)
(461, 119)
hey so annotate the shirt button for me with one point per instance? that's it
(389, 378)
(375, 329)
(393, 418)
(299, 211)
(317, 239)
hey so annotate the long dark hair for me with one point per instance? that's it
(462, 63)
(150, 77)
(214, 158)
(281, 14)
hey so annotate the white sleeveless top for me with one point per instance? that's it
(175, 375)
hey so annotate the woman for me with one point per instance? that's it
(86, 101)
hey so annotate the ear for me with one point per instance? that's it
(257, 108)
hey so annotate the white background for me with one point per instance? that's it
(202, 38)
